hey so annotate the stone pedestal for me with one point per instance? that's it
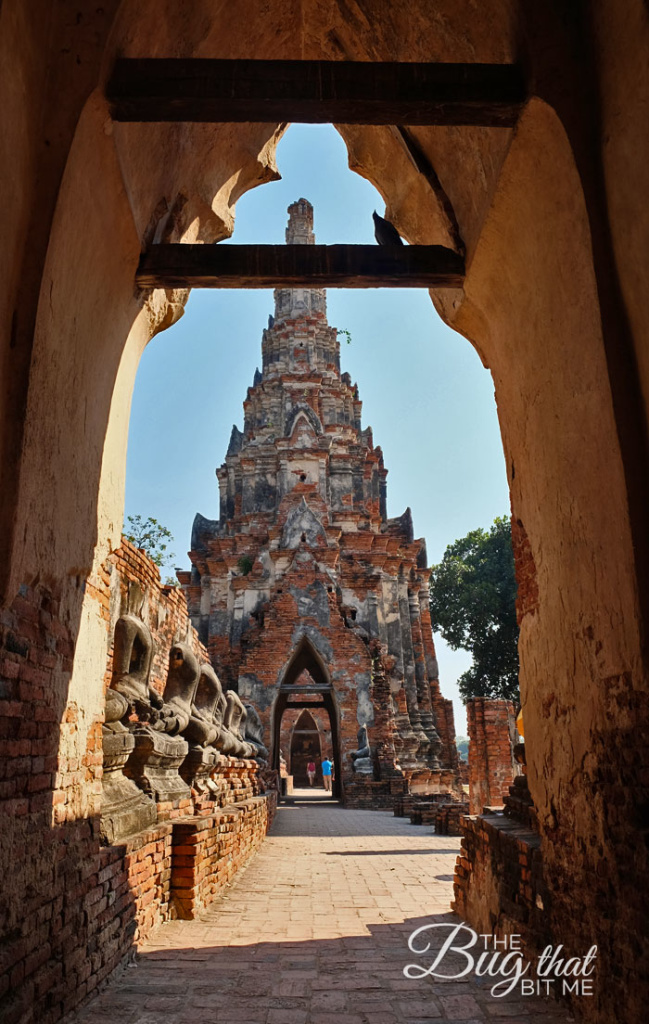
(154, 765)
(125, 809)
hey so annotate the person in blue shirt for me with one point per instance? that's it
(326, 774)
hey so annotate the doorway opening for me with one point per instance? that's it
(305, 748)
(305, 720)
(386, 334)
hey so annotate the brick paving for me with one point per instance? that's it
(314, 931)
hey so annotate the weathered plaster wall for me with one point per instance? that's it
(574, 714)
(620, 41)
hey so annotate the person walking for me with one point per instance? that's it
(310, 770)
(326, 774)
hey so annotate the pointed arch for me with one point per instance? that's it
(305, 658)
(302, 409)
(305, 722)
(305, 745)
(303, 525)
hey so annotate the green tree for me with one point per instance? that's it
(152, 536)
(473, 606)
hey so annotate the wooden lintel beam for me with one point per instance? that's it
(296, 691)
(315, 705)
(315, 92)
(300, 266)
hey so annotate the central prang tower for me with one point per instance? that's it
(303, 591)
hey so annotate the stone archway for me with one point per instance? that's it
(305, 673)
(305, 747)
(566, 350)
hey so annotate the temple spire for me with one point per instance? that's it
(297, 303)
(299, 230)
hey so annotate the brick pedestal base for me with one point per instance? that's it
(209, 850)
(498, 882)
(365, 794)
(131, 897)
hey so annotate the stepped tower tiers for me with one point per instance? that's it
(303, 581)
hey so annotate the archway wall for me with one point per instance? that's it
(341, 659)
(165, 182)
(315, 727)
(193, 195)
(289, 722)
(617, 87)
(540, 327)
(583, 684)
(90, 329)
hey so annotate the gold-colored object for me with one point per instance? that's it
(519, 723)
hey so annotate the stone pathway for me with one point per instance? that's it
(314, 931)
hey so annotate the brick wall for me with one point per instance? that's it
(368, 795)
(491, 762)
(131, 898)
(498, 884)
(449, 819)
(130, 581)
(208, 851)
(266, 653)
(50, 772)
(70, 909)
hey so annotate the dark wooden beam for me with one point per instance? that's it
(304, 704)
(297, 691)
(300, 266)
(316, 92)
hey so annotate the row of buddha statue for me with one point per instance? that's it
(157, 748)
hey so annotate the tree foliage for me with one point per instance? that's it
(245, 564)
(152, 536)
(473, 606)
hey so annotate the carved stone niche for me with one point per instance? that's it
(159, 748)
(254, 734)
(202, 732)
(125, 809)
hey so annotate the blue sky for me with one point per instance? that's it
(425, 392)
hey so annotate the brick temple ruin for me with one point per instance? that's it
(533, 175)
(304, 588)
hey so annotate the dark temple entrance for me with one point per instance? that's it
(305, 747)
(306, 685)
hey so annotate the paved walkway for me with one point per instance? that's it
(314, 931)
